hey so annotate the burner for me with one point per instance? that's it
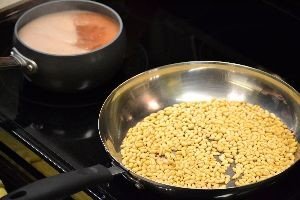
(74, 123)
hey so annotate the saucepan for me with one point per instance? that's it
(153, 90)
(67, 73)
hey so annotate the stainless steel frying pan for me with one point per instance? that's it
(153, 90)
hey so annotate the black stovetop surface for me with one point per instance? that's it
(63, 127)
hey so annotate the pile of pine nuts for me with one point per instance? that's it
(196, 144)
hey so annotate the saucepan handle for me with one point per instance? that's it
(17, 60)
(64, 184)
(9, 63)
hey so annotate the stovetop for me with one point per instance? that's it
(62, 128)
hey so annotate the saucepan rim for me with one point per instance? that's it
(116, 15)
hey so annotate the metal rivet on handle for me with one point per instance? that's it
(30, 68)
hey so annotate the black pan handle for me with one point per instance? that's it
(64, 184)
(17, 60)
(9, 63)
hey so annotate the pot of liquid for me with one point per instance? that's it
(67, 45)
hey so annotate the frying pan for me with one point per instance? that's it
(67, 73)
(153, 90)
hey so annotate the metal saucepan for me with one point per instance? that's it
(67, 73)
(134, 99)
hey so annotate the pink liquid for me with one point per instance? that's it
(69, 32)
